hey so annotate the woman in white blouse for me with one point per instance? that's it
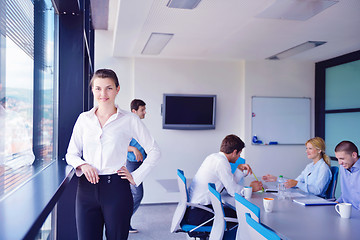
(98, 150)
(316, 176)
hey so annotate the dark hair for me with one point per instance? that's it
(231, 143)
(347, 146)
(136, 103)
(105, 73)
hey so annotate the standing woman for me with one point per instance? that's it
(98, 150)
(316, 176)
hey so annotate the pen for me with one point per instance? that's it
(258, 180)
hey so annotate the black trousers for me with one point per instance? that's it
(108, 203)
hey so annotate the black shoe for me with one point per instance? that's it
(133, 230)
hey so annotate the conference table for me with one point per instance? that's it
(291, 220)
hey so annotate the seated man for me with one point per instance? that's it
(216, 169)
(348, 157)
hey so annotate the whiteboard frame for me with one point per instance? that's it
(266, 124)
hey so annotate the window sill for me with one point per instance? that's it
(23, 211)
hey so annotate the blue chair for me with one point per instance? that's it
(178, 222)
(220, 221)
(330, 192)
(234, 166)
(257, 231)
(244, 206)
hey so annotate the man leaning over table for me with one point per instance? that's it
(348, 157)
(216, 169)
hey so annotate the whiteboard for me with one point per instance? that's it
(280, 120)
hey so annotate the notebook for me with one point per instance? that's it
(313, 202)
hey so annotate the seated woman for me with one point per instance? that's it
(316, 176)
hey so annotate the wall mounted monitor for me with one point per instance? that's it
(189, 111)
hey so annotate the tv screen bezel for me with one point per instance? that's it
(188, 126)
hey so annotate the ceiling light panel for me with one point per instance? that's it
(300, 10)
(296, 50)
(183, 4)
(156, 43)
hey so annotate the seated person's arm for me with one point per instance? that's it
(256, 186)
(316, 182)
(269, 178)
(290, 183)
(246, 167)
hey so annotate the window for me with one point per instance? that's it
(27, 90)
(337, 106)
(342, 104)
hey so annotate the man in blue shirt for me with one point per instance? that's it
(348, 155)
(136, 155)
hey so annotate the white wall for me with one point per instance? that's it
(122, 66)
(186, 149)
(234, 83)
(280, 79)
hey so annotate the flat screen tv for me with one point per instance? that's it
(188, 111)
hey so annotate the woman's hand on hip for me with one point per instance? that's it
(90, 173)
(125, 174)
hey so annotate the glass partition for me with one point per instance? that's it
(339, 127)
(342, 86)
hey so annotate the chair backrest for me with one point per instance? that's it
(219, 224)
(257, 231)
(244, 206)
(330, 192)
(181, 208)
(234, 166)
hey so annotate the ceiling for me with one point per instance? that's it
(232, 29)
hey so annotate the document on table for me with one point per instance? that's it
(313, 202)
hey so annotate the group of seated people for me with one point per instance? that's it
(314, 179)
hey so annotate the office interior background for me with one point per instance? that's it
(50, 49)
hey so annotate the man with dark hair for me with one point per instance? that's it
(216, 169)
(348, 155)
(136, 155)
(137, 106)
(231, 143)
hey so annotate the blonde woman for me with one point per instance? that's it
(316, 176)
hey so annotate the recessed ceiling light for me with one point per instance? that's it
(183, 4)
(156, 43)
(295, 50)
(296, 9)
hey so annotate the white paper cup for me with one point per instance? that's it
(268, 204)
(246, 192)
(344, 209)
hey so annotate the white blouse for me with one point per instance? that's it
(106, 148)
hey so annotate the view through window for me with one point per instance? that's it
(27, 90)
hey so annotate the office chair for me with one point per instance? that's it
(330, 192)
(257, 231)
(220, 221)
(179, 224)
(244, 206)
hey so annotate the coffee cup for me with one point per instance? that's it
(344, 209)
(246, 192)
(268, 204)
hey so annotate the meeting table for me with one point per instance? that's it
(291, 220)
